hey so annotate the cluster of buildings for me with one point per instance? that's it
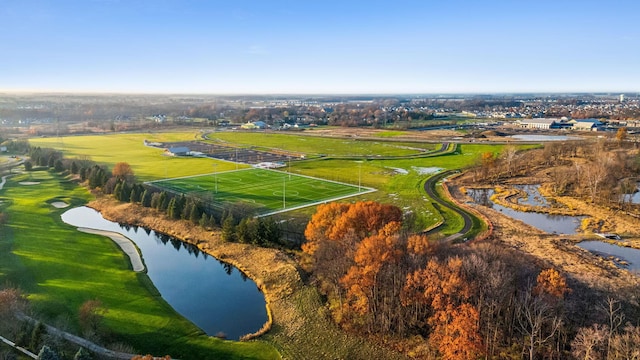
(579, 125)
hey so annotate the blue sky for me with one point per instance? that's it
(263, 46)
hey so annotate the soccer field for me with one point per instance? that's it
(268, 191)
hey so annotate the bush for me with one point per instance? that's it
(47, 354)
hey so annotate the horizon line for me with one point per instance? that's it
(376, 94)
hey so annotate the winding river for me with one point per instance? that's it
(560, 224)
(214, 295)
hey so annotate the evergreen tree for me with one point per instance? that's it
(133, 196)
(194, 214)
(156, 200)
(58, 166)
(74, 167)
(146, 198)
(117, 191)
(186, 210)
(125, 192)
(165, 201)
(180, 204)
(204, 221)
(228, 229)
(243, 233)
(212, 221)
(172, 209)
(273, 233)
(28, 166)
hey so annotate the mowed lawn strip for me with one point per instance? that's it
(268, 190)
(59, 268)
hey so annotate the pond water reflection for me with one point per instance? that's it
(533, 137)
(534, 198)
(213, 295)
(633, 198)
(630, 255)
(560, 224)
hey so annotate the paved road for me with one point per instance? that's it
(429, 188)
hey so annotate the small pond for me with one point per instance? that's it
(214, 295)
(532, 137)
(559, 224)
(601, 248)
(633, 198)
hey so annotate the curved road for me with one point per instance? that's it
(429, 188)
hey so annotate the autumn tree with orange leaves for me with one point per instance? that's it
(377, 264)
(459, 302)
(439, 296)
(334, 233)
(550, 282)
(123, 172)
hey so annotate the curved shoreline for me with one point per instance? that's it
(296, 326)
(210, 243)
(126, 245)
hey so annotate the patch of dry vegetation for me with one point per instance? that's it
(567, 174)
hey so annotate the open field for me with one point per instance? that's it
(60, 268)
(399, 181)
(148, 163)
(316, 145)
(268, 191)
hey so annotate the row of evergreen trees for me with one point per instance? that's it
(237, 220)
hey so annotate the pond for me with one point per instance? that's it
(214, 295)
(532, 137)
(559, 224)
(601, 248)
(633, 198)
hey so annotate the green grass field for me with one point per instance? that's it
(59, 268)
(268, 191)
(148, 163)
(316, 145)
(399, 181)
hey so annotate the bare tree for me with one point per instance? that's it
(612, 309)
(509, 156)
(537, 321)
(590, 343)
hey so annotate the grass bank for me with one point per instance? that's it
(59, 268)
